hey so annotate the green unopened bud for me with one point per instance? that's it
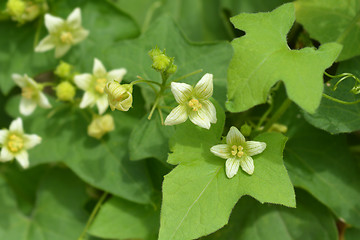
(277, 127)
(161, 62)
(245, 130)
(63, 70)
(119, 95)
(16, 8)
(154, 52)
(65, 91)
(101, 125)
(172, 69)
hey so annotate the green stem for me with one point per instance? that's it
(149, 15)
(93, 214)
(264, 116)
(281, 110)
(188, 75)
(145, 81)
(38, 30)
(340, 101)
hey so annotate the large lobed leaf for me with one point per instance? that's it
(262, 57)
(197, 195)
(332, 21)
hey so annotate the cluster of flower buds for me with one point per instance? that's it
(161, 62)
(25, 10)
(65, 90)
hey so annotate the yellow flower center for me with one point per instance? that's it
(100, 85)
(28, 92)
(195, 104)
(15, 143)
(237, 151)
(66, 37)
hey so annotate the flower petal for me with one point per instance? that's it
(53, 23)
(234, 137)
(6, 155)
(79, 35)
(16, 126)
(182, 92)
(125, 104)
(232, 167)
(83, 81)
(61, 50)
(221, 150)
(116, 74)
(177, 115)
(23, 158)
(200, 118)
(99, 70)
(88, 99)
(102, 104)
(19, 80)
(27, 106)
(31, 140)
(253, 147)
(247, 164)
(43, 101)
(3, 135)
(210, 110)
(204, 88)
(74, 18)
(45, 44)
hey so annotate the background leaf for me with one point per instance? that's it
(332, 21)
(252, 71)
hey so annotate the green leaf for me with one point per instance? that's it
(352, 233)
(197, 195)
(150, 139)
(102, 163)
(200, 20)
(336, 117)
(133, 55)
(332, 21)
(262, 57)
(120, 219)
(321, 164)
(250, 220)
(58, 214)
(251, 6)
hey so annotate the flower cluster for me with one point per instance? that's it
(15, 143)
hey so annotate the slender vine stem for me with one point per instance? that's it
(145, 81)
(340, 101)
(264, 116)
(279, 112)
(188, 75)
(93, 214)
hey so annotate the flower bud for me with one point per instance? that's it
(119, 95)
(65, 91)
(16, 8)
(154, 52)
(63, 70)
(246, 130)
(172, 69)
(101, 125)
(277, 127)
(161, 62)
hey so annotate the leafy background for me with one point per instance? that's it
(69, 171)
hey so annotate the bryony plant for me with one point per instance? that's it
(119, 95)
(194, 103)
(237, 152)
(32, 94)
(62, 33)
(94, 84)
(15, 143)
(100, 125)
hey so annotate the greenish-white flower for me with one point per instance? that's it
(62, 33)
(100, 125)
(32, 94)
(194, 103)
(94, 84)
(15, 143)
(237, 152)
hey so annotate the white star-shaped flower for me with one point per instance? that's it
(62, 33)
(194, 103)
(32, 94)
(94, 84)
(15, 143)
(238, 152)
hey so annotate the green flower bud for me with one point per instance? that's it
(119, 95)
(101, 125)
(246, 130)
(63, 70)
(154, 52)
(277, 127)
(16, 8)
(172, 69)
(65, 91)
(161, 62)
